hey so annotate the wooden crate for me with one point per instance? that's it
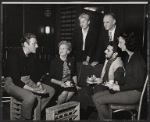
(15, 109)
(66, 111)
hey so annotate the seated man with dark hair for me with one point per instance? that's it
(19, 81)
(112, 72)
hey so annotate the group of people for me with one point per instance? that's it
(88, 45)
(118, 79)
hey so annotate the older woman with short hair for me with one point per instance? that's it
(63, 73)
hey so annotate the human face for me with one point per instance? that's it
(108, 22)
(32, 45)
(109, 52)
(63, 50)
(84, 23)
(121, 43)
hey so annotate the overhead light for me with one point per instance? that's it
(47, 30)
(90, 8)
(42, 29)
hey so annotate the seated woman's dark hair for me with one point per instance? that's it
(131, 41)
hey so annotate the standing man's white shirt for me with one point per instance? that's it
(84, 32)
(112, 33)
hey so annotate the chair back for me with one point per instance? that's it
(5, 96)
(141, 98)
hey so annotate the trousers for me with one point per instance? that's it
(27, 97)
(102, 99)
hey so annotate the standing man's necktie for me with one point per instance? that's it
(110, 36)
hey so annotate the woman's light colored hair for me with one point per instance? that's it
(68, 44)
(84, 15)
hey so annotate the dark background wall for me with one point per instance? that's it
(19, 19)
(22, 18)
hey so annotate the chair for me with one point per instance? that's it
(5, 96)
(129, 108)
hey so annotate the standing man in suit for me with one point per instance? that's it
(109, 33)
(84, 39)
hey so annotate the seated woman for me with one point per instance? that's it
(63, 73)
(130, 91)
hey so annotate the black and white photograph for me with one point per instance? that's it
(74, 60)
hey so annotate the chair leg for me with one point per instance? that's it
(132, 115)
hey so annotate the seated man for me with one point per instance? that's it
(113, 70)
(19, 78)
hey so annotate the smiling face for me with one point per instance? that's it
(121, 43)
(109, 52)
(31, 45)
(63, 50)
(109, 22)
(84, 23)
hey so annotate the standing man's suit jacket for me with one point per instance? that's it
(103, 43)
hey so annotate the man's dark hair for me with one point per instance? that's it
(26, 37)
(114, 45)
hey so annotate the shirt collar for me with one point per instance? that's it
(85, 31)
(22, 53)
(113, 31)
